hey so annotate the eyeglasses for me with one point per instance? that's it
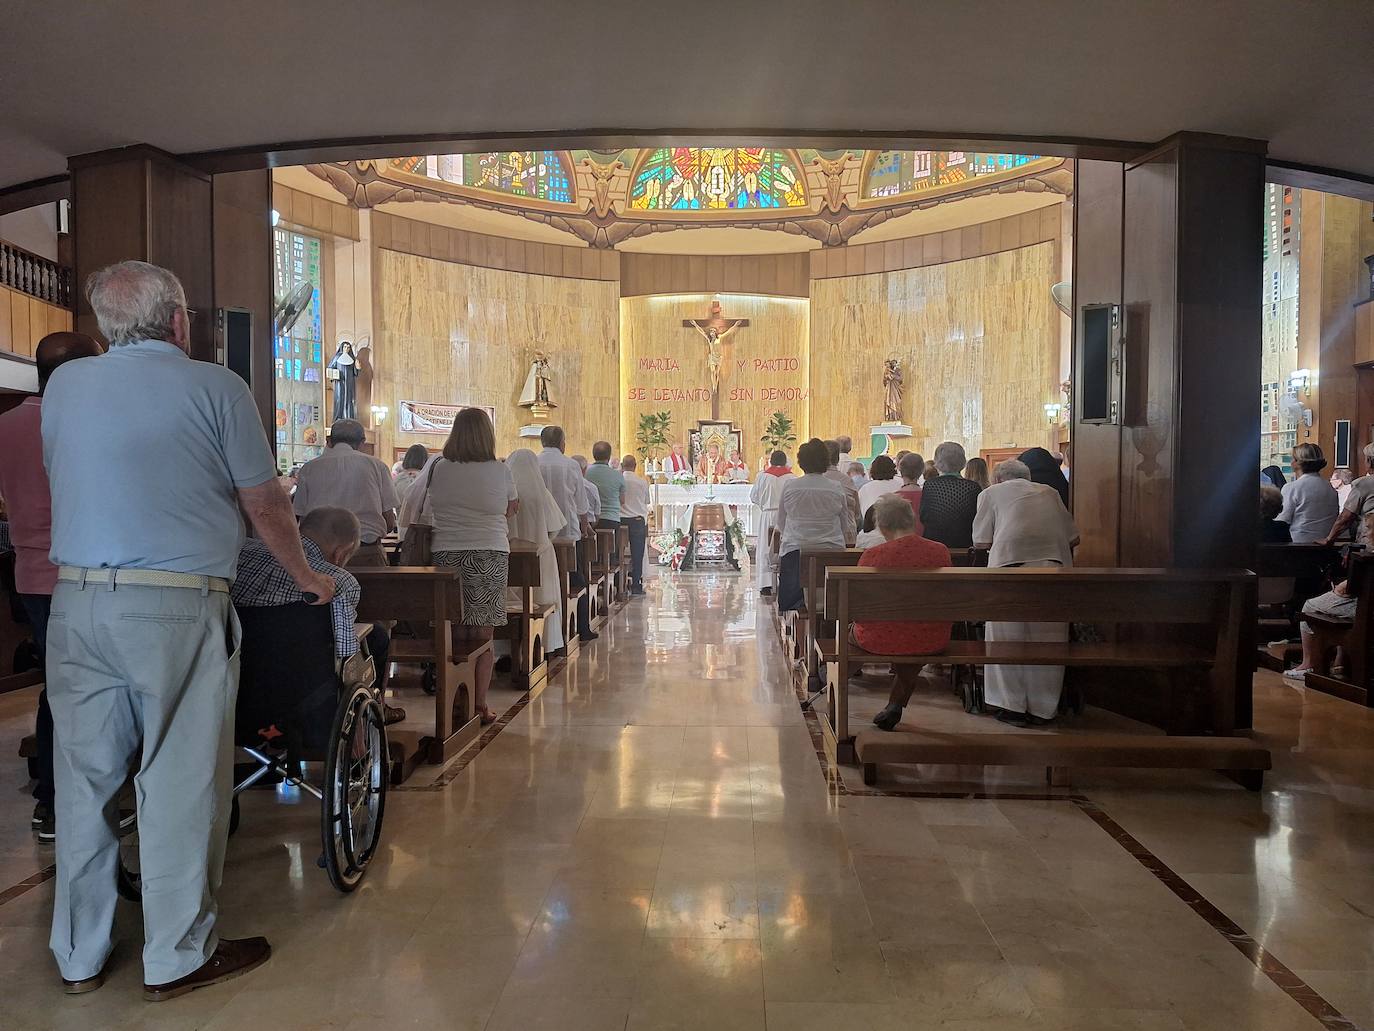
(191, 314)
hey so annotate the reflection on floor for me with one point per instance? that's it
(651, 843)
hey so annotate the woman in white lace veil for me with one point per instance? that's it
(538, 519)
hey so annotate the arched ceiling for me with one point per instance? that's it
(79, 77)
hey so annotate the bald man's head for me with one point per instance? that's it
(58, 348)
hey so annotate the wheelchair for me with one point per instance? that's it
(294, 709)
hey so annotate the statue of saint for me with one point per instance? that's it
(892, 391)
(342, 370)
(535, 393)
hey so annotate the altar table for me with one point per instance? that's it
(674, 504)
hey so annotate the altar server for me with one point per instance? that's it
(765, 495)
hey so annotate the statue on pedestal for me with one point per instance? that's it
(342, 370)
(892, 390)
(535, 393)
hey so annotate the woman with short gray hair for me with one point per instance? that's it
(948, 501)
(1024, 524)
(1310, 503)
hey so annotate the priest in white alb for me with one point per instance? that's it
(765, 494)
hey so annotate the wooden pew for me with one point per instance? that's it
(1289, 574)
(603, 570)
(1356, 640)
(1217, 603)
(432, 597)
(622, 564)
(566, 550)
(525, 621)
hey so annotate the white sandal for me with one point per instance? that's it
(1297, 674)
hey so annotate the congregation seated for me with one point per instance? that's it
(835, 473)
(884, 481)
(869, 535)
(1356, 502)
(346, 477)
(1024, 524)
(976, 469)
(1310, 503)
(1336, 611)
(1271, 504)
(948, 501)
(1047, 470)
(858, 476)
(814, 511)
(412, 465)
(901, 548)
(329, 538)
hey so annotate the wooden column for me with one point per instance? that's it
(140, 203)
(1184, 262)
(214, 232)
(242, 230)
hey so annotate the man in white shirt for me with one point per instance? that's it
(634, 516)
(813, 512)
(345, 477)
(846, 445)
(564, 480)
(766, 493)
(836, 473)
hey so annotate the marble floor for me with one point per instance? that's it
(651, 843)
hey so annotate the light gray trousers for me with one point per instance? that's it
(141, 678)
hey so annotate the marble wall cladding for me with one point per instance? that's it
(665, 364)
(459, 334)
(978, 341)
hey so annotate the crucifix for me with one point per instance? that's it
(715, 329)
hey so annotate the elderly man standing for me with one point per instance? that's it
(24, 486)
(563, 476)
(345, 477)
(150, 457)
(634, 516)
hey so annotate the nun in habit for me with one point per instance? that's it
(343, 370)
(537, 521)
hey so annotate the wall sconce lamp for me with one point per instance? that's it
(1052, 410)
(379, 414)
(1301, 380)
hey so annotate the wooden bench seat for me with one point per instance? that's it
(1035, 653)
(429, 597)
(1202, 613)
(525, 626)
(566, 550)
(1236, 756)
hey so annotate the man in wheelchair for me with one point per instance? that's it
(329, 538)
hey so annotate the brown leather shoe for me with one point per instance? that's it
(234, 958)
(86, 984)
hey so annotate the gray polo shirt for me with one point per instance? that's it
(1310, 507)
(344, 478)
(144, 450)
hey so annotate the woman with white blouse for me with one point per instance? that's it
(882, 480)
(1025, 524)
(472, 495)
(1310, 503)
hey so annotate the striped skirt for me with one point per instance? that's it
(485, 575)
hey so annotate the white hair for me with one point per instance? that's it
(134, 300)
(1011, 469)
(949, 458)
(893, 513)
(331, 527)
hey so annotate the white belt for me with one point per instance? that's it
(141, 578)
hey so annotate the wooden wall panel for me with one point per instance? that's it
(427, 240)
(978, 342)
(316, 215)
(25, 320)
(1095, 459)
(459, 334)
(666, 369)
(243, 269)
(785, 275)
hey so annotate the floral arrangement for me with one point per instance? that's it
(671, 548)
(683, 478)
(736, 532)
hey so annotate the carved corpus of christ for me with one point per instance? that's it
(715, 329)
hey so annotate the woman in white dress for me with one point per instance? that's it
(1025, 524)
(883, 480)
(766, 492)
(537, 521)
(414, 462)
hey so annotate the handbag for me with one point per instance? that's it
(417, 549)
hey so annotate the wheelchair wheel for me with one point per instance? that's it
(355, 781)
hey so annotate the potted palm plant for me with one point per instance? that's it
(779, 435)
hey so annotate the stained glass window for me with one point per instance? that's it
(716, 178)
(895, 172)
(298, 354)
(536, 174)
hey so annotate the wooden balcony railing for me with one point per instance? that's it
(36, 276)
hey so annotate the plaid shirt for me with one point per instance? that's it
(261, 581)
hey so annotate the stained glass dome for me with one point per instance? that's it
(892, 173)
(530, 174)
(716, 178)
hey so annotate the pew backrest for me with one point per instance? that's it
(420, 593)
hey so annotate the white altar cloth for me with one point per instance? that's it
(674, 504)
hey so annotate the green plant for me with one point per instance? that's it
(779, 434)
(651, 436)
